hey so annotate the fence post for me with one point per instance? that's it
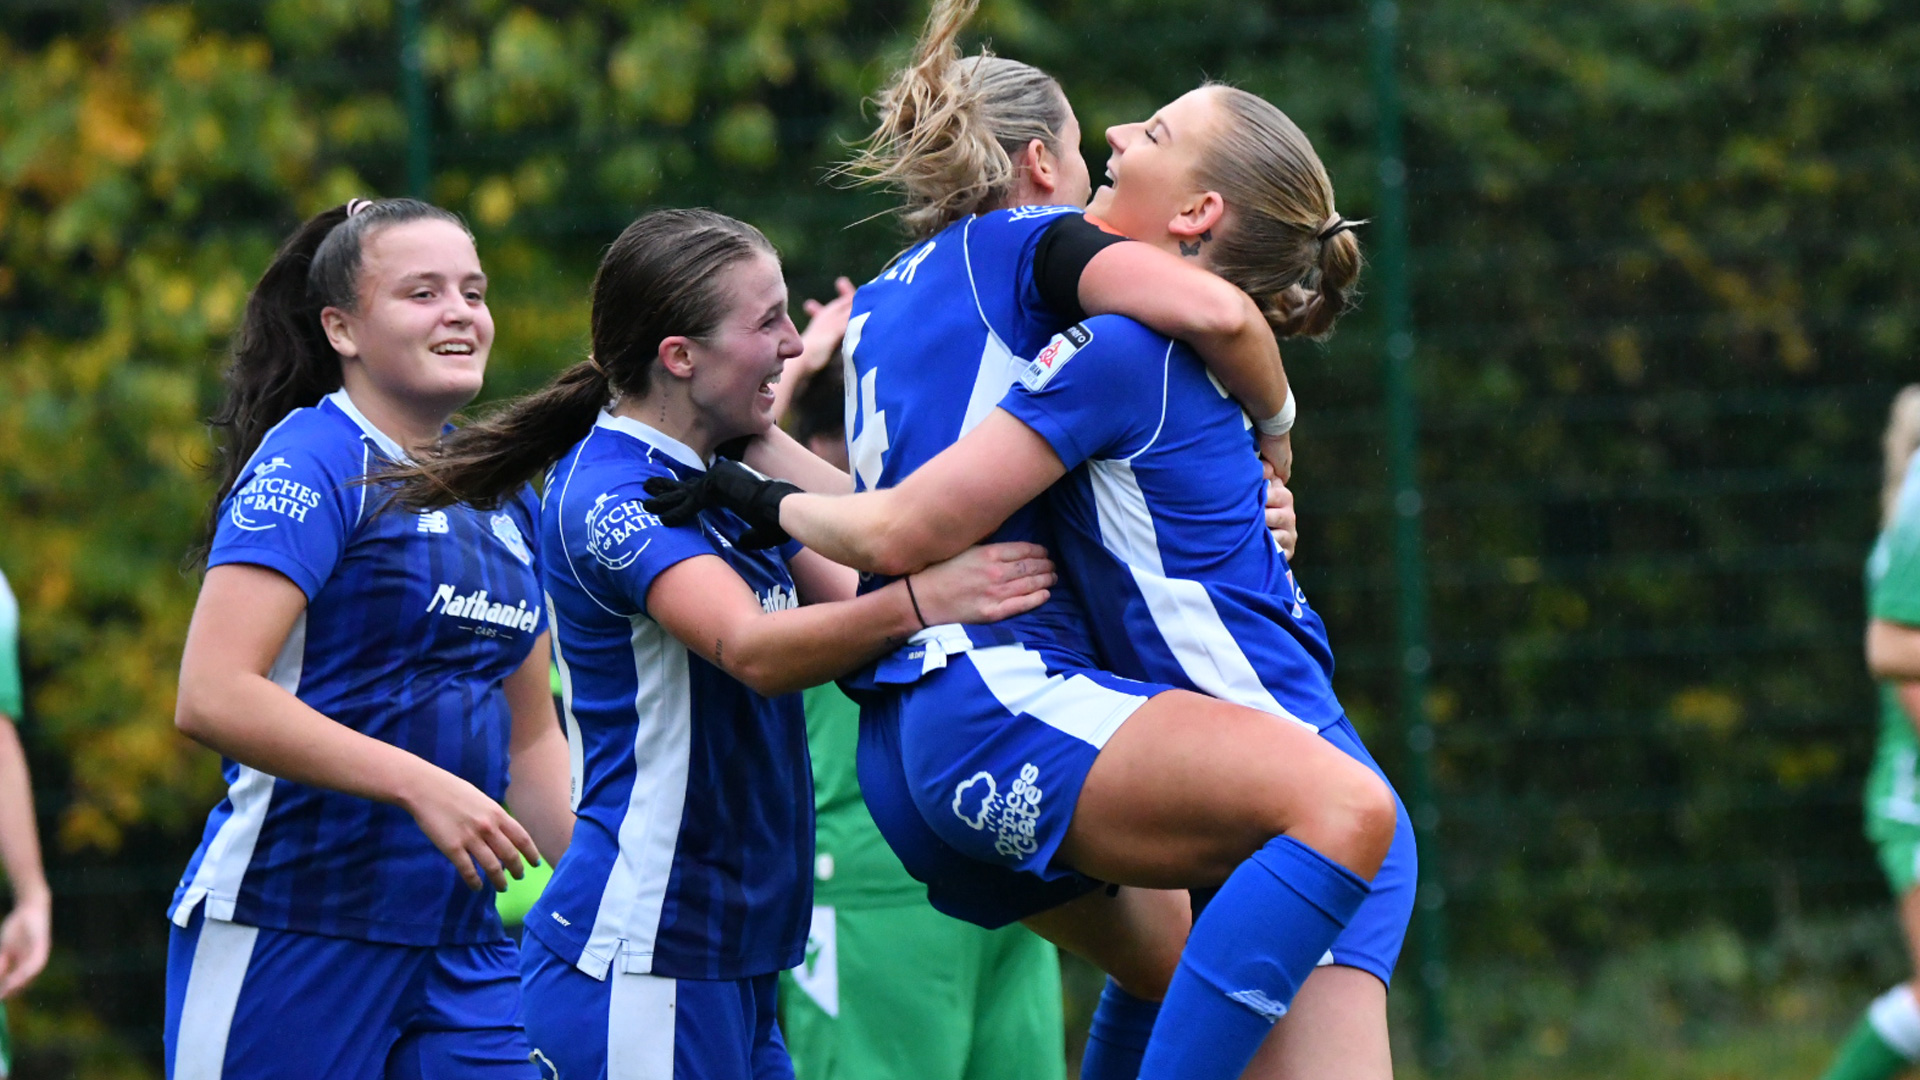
(1393, 291)
(413, 96)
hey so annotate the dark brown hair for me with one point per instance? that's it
(664, 277)
(281, 359)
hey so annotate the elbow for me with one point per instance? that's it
(905, 547)
(1225, 313)
(767, 681)
(190, 717)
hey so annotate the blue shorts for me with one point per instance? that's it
(973, 772)
(246, 1002)
(1372, 941)
(649, 1027)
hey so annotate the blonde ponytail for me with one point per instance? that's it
(952, 126)
(1282, 241)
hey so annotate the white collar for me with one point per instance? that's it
(653, 437)
(387, 445)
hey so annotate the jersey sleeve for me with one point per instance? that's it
(1095, 391)
(1061, 255)
(294, 509)
(624, 548)
(1896, 596)
(11, 699)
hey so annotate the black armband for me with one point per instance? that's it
(1061, 256)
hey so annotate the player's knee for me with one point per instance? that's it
(1360, 821)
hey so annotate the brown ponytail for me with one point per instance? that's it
(664, 277)
(1281, 241)
(951, 127)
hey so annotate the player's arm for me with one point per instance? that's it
(540, 790)
(1109, 276)
(25, 935)
(228, 703)
(952, 501)
(779, 454)
(709, 608)
(1893, 649)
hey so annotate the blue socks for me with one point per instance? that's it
(1262, 935)
(1122, 1024)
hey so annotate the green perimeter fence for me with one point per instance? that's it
(1585, 484)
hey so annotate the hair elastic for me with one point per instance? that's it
(1335, 226)
(354, 206)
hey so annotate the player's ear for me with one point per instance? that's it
(676, 357)
(1042, 167)
(1198, 216)
(339, 331)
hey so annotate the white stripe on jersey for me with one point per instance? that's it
(996, 372)
(218, 877)
(1074, 704)
(576, 746)
(1181, 609)
(220, 960)
(628, 920)
(640, 1027)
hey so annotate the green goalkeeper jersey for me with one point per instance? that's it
(10, 697)
(1893, 594)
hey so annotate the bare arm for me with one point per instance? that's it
(953, 501)
(703, 603)
(227, 703)
(779, 454)
(540, 793)
(1223, 325)
(25, 935)
(1893, 650)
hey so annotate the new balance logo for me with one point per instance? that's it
(435, 521)
(1260, 1004)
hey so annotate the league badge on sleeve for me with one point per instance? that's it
(1039, 370)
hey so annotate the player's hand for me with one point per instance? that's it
(1281, 520)
(984, 584)
(728, 485)
(475, 833)
(25, 937)
(1277, 452)
(826, 325)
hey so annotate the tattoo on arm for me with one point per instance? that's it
(719, 654)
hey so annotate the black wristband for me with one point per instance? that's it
(915, 601)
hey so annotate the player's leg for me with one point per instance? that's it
(566, 1014)
(1191, 790)
(1886, 1041)
(1337, 1028)
(245, 1003)
(467, 1020)
(1135, 936)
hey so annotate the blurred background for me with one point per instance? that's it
(1585, 485)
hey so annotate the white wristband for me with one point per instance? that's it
(1279, 423)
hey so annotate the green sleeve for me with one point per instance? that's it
(10, 696)
(1894, 579)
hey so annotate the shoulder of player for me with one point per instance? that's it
(314, 444)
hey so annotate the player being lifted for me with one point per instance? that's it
(687, 889)
(1006, 769)
(370, 677)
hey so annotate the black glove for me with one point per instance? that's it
(728, 485)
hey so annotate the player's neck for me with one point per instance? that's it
(416, 426)
(668, 410)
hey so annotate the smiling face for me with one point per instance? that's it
(420, 331)
(736, 364)
(1151, 170)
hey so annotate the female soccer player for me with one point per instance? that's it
(1886, 1042)
(655, 949)
(371, 678)
(1149, 785)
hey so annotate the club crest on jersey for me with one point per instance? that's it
(610, 527)
(508, 533)
(1011, 817)
(1039, 370)
(268, 493)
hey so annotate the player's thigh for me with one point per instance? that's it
(1336, 1030)
(245, 1003)
(1018, 1030)
(565, 1012)
(1190, 786)
(468, 1022)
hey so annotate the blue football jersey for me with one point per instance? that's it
(693, 854)
(1161, 522)
(932, 346)
(412, 622)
